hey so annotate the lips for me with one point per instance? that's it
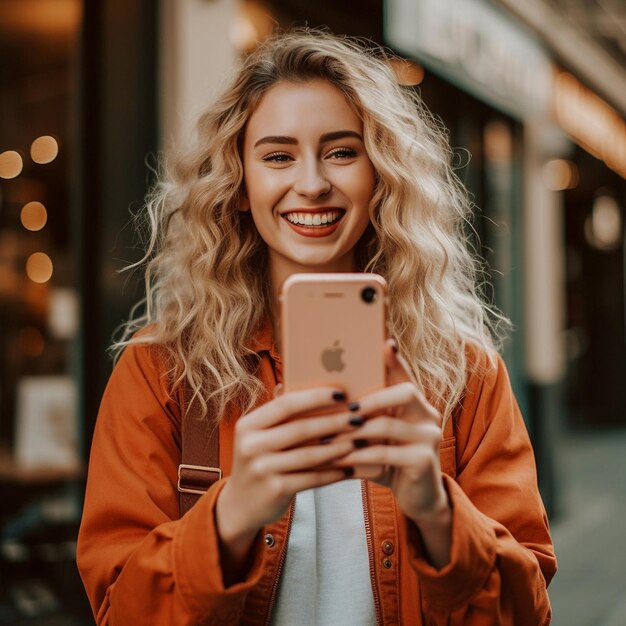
(314, 223)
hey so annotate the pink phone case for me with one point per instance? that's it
(333, 331)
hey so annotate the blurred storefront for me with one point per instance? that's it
(594, 196)
(77, 120)
(41, 466)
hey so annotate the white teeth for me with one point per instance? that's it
(317, 219)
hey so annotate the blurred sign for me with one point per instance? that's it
(590, 121)
(477, 47)
(46, 426)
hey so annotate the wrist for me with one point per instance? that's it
(231, 527)
(235, 541)
(439, 514)
(435, 528)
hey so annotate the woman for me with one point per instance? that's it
(313, 160)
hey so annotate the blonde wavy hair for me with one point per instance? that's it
(206, 268)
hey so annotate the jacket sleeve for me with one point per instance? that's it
(139, 563)
(501, 555)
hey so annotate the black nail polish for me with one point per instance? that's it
(326, 440)
(354, 406)
(360, 443)
(357, 420)
(339, 396)
(348, 472)
(394, 347)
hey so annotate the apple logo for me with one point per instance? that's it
(331, 358)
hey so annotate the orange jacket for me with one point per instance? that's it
(141, 564)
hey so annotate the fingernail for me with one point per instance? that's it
(326, 440)
(354, 406)
(339, 396)
(357, 420)
(360, 443)
(394, 346)
(348, 471)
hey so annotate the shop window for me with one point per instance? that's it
(41, 468)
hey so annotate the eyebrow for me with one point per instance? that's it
(292, 141)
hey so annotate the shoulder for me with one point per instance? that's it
(142, 347)
(483, 366)
(487, 385)
(144, 363)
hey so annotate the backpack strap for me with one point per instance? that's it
(200, 459)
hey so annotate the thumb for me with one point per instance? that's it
(398, 370)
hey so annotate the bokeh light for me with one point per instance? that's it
(34, 216)
(560, 174)
(603, 227)
(498, 142)
(39, 267)
(253, 24)
(407, 72)
(44, 149)
(11, 164)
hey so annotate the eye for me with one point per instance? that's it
(342, 153)
(277, 157)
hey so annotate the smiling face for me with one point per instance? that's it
(308, 178)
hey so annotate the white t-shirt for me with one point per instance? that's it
(325, 578)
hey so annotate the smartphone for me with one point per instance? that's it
(333, 331)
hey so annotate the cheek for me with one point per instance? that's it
(264, 228)
(252, 183)
(262, 188)
(366, 187)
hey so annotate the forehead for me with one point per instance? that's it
(295, 108)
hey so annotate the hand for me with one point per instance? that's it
(271, 462)
(402, 432)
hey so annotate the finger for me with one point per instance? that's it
(395, 430)
(395, 456)
(300, 481)
(404, 395)
(299, 459)
(298, 432)
(370, 472)
(289, 404)
(398, 370)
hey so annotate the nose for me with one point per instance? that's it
(311, 180)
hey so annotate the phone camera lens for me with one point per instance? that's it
(368, 295)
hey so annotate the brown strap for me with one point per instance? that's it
(199, 468)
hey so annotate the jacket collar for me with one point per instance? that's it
(262, 340)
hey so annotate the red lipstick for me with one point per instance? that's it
(319, 230)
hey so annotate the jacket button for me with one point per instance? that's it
(388, 547)
(387, 564)
(269, 540)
